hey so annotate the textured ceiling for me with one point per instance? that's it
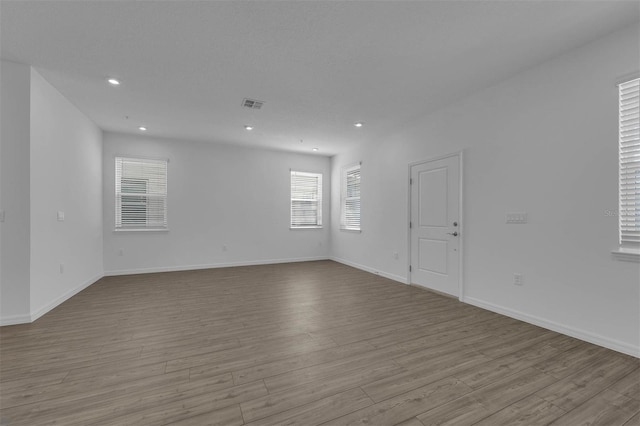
(319, 66)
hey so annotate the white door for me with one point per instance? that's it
(435, 224)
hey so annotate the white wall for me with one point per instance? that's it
(544, 142)
(14, 192)
(66, 175)
(218, 195)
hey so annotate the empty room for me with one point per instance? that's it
(308, 213)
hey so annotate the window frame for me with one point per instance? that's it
(344, 198)
(318, 200)
(628, 147)
(625, 149)
(160, 195)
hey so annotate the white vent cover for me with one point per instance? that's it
(252, 103)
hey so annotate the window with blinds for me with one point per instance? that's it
(629, 149)
(306, 200)
(350, 199)
(141, 194)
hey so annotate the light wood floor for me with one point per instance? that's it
(299, 344)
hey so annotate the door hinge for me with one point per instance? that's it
(410, 225)
(409, 268)
(410, 181)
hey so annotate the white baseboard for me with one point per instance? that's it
(58, 301)
(531, 319)
(560, 328)
(34, 315)
(394, 277)
(209, 266)
(15, 319)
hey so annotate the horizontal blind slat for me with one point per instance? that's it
(306, 199)
(350, 199)
(629, 161)
(141, 193)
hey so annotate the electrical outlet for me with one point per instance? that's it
(1, 215)
(224, 248)
(395, 255)
(516, 217)
(60, 216)
(518, 279)
(120, 252)
(62, 268)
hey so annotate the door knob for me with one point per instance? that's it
(455, 234)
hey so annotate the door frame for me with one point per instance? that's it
(460, 155)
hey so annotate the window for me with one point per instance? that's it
(350, 199)
(306, 200)
(629, 149)
(141, 194)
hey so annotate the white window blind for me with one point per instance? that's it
(306, 200)
(141, 194)
(629, 145)
(350, 199)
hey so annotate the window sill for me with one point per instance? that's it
(627, 254)
(295, 228)
(141, 230)
(354, 231)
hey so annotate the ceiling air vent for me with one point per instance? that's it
(252, 103)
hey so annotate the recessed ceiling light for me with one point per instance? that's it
(358, 124)
(247, 127)
(315, 149)
(142, 129)
(113, 82)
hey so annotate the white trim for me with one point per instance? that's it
(167, 159)
(460, 155)
(34, 315)
(15, 319)
(394, 277)
(439, 157)
(353, 231)
(408, 266)
(461, 223)
(177, 268)
(118, 230)
(596, 339)
(626, 77)
(626, 254)
(61, 299)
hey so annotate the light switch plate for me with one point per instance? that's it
(60, 216)
(518, 279)
(520, 217)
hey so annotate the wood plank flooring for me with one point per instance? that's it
(315, 343)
